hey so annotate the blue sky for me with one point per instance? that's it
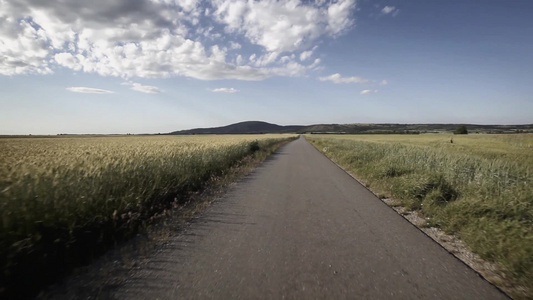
(150, 66)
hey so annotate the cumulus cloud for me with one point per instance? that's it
(390, 10)
(364, 92)
(67, 60)
(23, 46)
(162, 38)
(234, 45)
(281, 26)
(339, 16)
(225, 90)
(305, 55)
(88, 90)
(143, 88)
(337, 78)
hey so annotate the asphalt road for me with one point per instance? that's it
(299, 227)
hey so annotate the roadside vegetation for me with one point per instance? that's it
(477, 187)
(66, 200)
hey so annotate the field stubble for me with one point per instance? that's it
(476, 187)
(64, 201)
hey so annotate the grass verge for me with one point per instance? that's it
(60, 213)
(478, 188)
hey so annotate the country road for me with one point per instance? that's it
(299, 227)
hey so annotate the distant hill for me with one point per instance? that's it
(250, 127)
(413, 128)
(255, 127)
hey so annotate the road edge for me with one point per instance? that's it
(489, 274)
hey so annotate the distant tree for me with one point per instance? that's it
(461, 130)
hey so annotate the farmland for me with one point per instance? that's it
(478, 187)
(64, 200)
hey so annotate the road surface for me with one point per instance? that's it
(299, 227)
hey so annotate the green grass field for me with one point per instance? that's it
(480, 187)
(65, 200)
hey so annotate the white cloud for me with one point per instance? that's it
(143, 88)
(23, 47)
(234, 45)
(383, 82)
(364, 92)
(225, 90)
(339, 16)
(68, 60)
(390, 9)
(162, 38)
(281, 26)
(337, 78)
(306, 55)
(88, 90)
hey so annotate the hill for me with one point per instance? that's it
(255, 127)
(250, 127)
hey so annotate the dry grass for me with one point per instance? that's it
(479, 188)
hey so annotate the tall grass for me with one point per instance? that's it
(479, 187)
(63, 201)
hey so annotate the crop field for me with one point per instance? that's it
(478, 187)
(64, 200)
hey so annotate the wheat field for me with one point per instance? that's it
(65, 200)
